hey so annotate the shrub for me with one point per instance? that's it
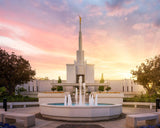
(89, 92)
(101, 88)
(53, 88)
(18, 98)
(2, 90)
(59, 88)
(141, 98)
(21, 89)
(108, 88)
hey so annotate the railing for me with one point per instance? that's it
(24, 104)
(136, 104)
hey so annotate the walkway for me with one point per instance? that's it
(120, 123)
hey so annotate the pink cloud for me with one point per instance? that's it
(121, 11)
(94, 10)
(141, 26)
(45, 34)
(54, 7)
(10, 50)
(58, 49)
(56, 40)
(120, 7)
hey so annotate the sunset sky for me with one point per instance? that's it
(117, 34)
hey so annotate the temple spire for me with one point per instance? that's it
(80, 23)
(80, 35)
(80, 52)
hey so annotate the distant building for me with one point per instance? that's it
(127, 86)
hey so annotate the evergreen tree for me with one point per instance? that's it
(59, 80)
(102, 79)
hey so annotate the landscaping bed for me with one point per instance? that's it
(17, 98)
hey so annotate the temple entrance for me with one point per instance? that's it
(77, 78)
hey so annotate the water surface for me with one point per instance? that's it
(74, 104)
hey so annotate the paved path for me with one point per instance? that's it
(120, 123)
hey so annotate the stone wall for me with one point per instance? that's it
(110, 98)
(51, 97)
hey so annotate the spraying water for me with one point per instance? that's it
(76, 96)
(69, 100)
(65, 101)
(92, 101)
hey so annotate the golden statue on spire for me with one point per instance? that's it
(80, 19)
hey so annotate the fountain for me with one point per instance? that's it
(96, 100)
(91, 99)
(65, 100)
(69, 100)
(76, 96)
(80, 90)
(80, 111)
(84, 96)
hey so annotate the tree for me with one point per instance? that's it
(2, 90)
(59, 80)
(102, 79)
(14, 70)
(148, 75)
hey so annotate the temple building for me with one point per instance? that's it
(80, 67)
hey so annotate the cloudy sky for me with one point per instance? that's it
(117, 34)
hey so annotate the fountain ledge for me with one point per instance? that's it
(81, 113)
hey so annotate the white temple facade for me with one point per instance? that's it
(80, 67)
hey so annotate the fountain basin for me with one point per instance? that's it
(81, 113)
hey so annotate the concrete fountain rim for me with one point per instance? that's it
(80, 106)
